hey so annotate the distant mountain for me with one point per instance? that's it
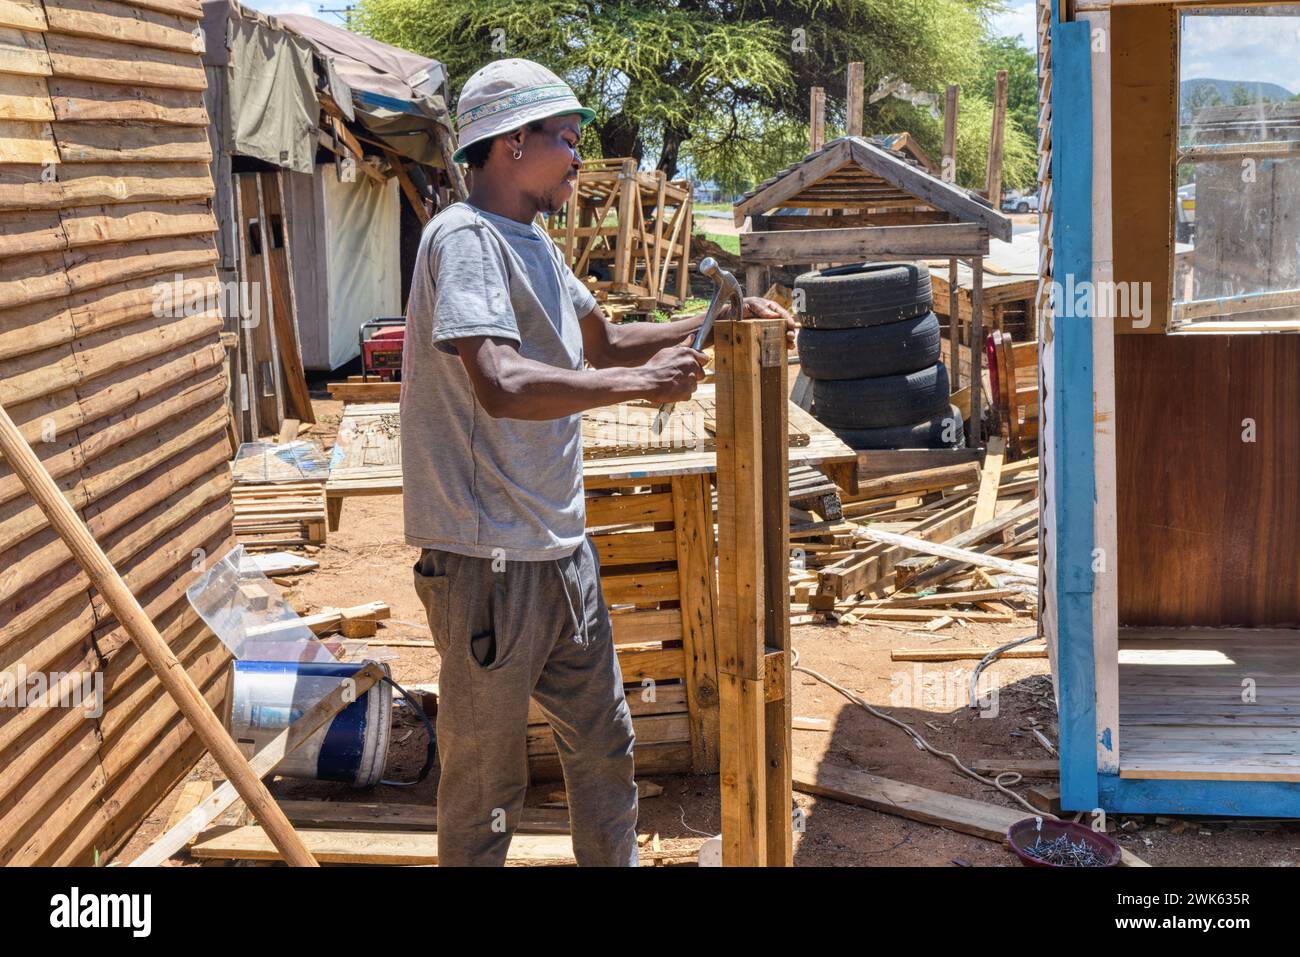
(1190, 89)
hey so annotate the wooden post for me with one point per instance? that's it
(954, 325)
(817, 119)
(161, 659)
(454, 175)
(948, 168)
(629, 198)
(855, 99)
(994, 179)
(753, 621)
(975, 435)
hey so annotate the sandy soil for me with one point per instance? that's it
(366, 561)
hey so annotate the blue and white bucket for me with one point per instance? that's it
(267, 696)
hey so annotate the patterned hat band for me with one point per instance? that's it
(515, 101)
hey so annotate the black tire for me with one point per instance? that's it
(868, 294)
(881, 401)
(1022, 207)
(904, 346)
(930, 434)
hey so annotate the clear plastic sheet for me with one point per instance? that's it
(244, 609)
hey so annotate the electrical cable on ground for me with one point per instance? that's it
(921, 743)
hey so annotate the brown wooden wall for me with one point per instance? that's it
(104, 192)
(1209, 525)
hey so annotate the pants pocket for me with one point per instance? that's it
(493, 646)
(433, 587)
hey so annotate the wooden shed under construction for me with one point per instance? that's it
(1170, 379)
(111, 364)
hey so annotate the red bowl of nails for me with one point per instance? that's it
(1047, 842)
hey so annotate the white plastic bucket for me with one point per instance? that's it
(266, 697)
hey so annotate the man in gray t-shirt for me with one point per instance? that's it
(495, 377)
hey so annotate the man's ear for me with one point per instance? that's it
(514, 140)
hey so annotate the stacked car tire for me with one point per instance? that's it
(871, 346)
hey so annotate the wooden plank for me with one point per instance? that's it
(633, 548)
(369, 847)
(90, 100)
(693, 535)
(365, 391)
(22, 15)
(117, 141)
(865, 242)
(990, 477)
(112, 62)
(364, 815)
(912, 483)
(957, 554)
(23, 52)
(960, 654)
(125, 222)
(634, 509)
(22, 142)
(124, 23)
(24, 98)
(283, 298)
(638, 627)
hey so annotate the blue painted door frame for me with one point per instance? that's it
(1072, 453)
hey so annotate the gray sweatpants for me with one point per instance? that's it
(539, 630)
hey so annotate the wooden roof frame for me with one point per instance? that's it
(887, 165)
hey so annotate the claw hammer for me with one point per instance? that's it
(728, 292)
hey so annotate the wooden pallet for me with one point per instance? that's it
(274, 516)
(632, 226)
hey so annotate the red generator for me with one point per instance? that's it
(381, 347)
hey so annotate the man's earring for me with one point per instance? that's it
(519, 154)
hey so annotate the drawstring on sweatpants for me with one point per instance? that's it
(572, 590)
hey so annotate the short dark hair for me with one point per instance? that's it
(476, 154)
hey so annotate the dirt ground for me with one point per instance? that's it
(366, 561)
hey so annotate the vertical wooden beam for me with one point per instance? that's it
(855, 99)
(1105, 587)
(693, 525)
(742, 778)
(816, 119)
(753, 625)
(948, 168)
(684, 264)
(284, 300)
(268, 304)
(994, 172)
(454, 175)
(628, 202)
(975, 435)
(774, 402)
(954, 326)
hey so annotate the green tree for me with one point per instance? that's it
(722, 85)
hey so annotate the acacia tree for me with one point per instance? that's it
(723, 86)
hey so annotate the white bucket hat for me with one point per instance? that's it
(508, 94)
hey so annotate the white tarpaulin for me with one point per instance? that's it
(363, 256)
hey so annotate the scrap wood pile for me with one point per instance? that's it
(930, 547)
